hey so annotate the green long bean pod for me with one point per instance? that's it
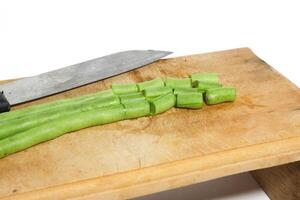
(22, 124)
(220, 95)
(124, 88)
(55, 105)
(205, 77)
(203, 86)
(35, 124)
(178, 83)
(189, 100)
(59, 127)
(154, 92)
(162, 103)
(132, 97)
(185, 90)
(154, 83)
(136, 109)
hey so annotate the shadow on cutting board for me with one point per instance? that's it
(235, 187)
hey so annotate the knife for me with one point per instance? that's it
(73, 76)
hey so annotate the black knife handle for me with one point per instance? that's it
(4, 104)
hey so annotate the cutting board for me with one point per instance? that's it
(177, 148)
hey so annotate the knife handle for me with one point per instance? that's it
(4, 104)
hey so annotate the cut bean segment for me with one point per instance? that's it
(136, 109)
(178, 83)
(162, 103)
(185, 90)
(220, 95)
(133, 97)
(205, 77)
(59, 127)
(155, 83)
(189, 100)
(133, 94)
(203, 86)
(154, 92)
(124, 88)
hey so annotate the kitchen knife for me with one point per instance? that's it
(73, 76)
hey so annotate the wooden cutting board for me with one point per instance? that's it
(180, 147)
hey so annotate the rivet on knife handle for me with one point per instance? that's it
(4, 104)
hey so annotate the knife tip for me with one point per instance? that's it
(163, 53)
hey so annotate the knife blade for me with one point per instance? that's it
(73, 76)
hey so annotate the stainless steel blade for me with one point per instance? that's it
(77, 75)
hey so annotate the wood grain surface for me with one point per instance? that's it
(180, 147)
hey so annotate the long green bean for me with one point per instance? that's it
(22, 124)
(56, 105)
(35, 124)
(59, 127)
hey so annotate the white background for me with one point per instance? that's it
(38, 36)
